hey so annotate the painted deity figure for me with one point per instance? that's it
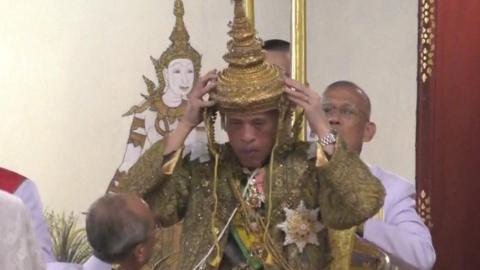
(176, 69)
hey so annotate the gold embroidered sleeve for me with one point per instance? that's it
(149, 171)
(349, 193)
(168, 200)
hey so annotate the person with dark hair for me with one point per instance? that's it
(276, 45)
(277, 52)
(121, 230)
(397, 228)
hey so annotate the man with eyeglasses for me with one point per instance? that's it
(397, 228)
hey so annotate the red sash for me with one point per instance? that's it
(10, 181)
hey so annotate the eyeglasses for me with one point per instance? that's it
(346, 111)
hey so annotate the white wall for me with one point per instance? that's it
(70, 69)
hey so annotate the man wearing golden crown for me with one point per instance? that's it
(260, 202)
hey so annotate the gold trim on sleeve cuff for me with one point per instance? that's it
(322, 159)
(170, 161)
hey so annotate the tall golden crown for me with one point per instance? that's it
(248, 83)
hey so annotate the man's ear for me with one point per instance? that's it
(140, 253)
(369, 132)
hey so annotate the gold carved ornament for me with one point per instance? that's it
(426, 53)
(424, 208)
(426, 39)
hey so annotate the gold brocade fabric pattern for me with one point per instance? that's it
(143, 175)
(344, 190)
(356, 206)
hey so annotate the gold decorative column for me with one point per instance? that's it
(426, 55)
(250, 12)
(299, 59)
(424, 208)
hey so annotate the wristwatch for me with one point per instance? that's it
(330, 138)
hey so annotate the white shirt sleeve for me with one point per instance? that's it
(28, 193)
(401, 233)
(93, 263)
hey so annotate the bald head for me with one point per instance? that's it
(347, 108)
(116, 223)
(364, 104)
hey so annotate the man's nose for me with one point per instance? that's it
(333, 119)
(334, 124)
(248, 134)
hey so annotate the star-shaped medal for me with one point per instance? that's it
(301, 226)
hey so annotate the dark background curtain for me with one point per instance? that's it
(448, 129)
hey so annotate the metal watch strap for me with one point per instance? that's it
(330, 138)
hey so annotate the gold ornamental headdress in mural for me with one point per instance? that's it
(248, 83)
(179, 48)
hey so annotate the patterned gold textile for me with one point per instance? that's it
(344, 191)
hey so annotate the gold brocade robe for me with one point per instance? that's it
(179, 189)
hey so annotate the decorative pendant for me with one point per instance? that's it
(254, 227)
(255, 197)
(301, 226)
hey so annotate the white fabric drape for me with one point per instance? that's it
(18, 247)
